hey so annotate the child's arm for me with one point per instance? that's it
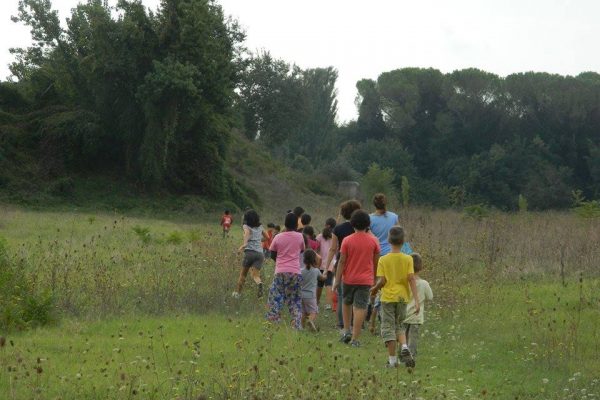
(338, 273)
(413, 287)
(375, 263)
(265, 237)
(380, 283)
(319, 261)
(428, 292)
(246, 238)
(332, 250)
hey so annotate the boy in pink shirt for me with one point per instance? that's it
(356, 272)
(285, 289)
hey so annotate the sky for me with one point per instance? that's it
(363, 39)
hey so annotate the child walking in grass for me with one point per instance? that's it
(310, 278)
(226, 222)
(395, 274)
(356, 272)
(285, 289)
(253, 254)
(414, 319)
(325, 239)
(267, 243)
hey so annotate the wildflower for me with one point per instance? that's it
(545, 381)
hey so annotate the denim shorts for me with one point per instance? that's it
(253, 259)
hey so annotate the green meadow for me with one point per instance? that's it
(112, 306)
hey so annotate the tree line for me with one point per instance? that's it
(155, 96)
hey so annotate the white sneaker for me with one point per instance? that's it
(235, 295)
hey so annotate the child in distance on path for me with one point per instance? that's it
(267, 243)
(414, 320)
(310, 278)
(226, 222)
(325, 239)
(286, 289)
(254, 235)
(395, 273)
(356, 272)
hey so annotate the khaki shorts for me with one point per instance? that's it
(392, 316)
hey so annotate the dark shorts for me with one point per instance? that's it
(253, 259)
(356, 295)
(327, 282)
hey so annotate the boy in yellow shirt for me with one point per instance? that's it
(395, 274)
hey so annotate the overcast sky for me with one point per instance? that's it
(362, 39)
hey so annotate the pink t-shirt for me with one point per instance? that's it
(325, 245)
(288, 246)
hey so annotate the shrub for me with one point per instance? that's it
(22, 307)
(143, 233)
(588, 209)
(522, 204)
(174, 237)
(477, 211)
(378, 180)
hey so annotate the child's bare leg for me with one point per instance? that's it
(373, 321)
(391, 347)
(319, 292)
(346, 315)
(359, 318)
(329, 296)
(242, 279)
(255, 272)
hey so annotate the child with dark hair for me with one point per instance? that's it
(298, 212)
(311, 240)
(339, 233)
(310, 278)
(325, 238)
(252, 249)
(285, 289)
(395, 273)
(226, 222)
(356, 272)
(305, 220)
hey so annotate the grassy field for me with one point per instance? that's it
(141, 309)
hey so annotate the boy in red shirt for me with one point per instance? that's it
(356, 272)
(266, 245)
(226, 222)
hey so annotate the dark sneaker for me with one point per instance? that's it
(346, 338)
(260, 289)
(355, 343)
(406, 358)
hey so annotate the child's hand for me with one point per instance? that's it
(241, 249)
(374, 291)
(417, 308)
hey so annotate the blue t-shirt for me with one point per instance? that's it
(380, 226)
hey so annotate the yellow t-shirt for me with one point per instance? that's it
(395, 267)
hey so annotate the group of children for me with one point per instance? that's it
(363, 260)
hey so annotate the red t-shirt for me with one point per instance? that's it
(226, 221)
(359, 249)
(267, 243)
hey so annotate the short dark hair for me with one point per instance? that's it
(309, 231)
(396, 236)
(305, 219)
(310, 258)
(252, 219)
(270, 225)
(380, 201)
(278, 228)
(348, 207)
(226, 212)
(360, 220)
(330, 223)
(298, 211)
(291, 222)
(417, 262)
